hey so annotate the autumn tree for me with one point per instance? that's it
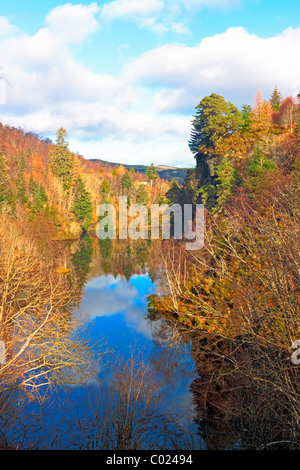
(262, 113)
(42, 348)
(287, 114)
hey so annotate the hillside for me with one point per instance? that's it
(165, 172)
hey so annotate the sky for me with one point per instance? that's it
(123, 77)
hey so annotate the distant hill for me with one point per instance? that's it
(165, 172)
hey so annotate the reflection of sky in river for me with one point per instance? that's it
(117, 310)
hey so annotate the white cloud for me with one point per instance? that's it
(233, 63)
(142, 115)
(5, 26)
(73, 22)
(131, 8)
(158, 16)
(107, 296)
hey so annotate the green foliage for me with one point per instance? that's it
(227, 179)
(82, 207)
(82, 259)
(126, 182)
(21, 188)
(151, 174)
(215, 118)
(105, 187)
(6, 194)
(38, 197)
(142, 195)
(208, 196)
(61, 160)
(247, 114)
(275, 99)
(189, 191)
(161, 200)
(174, 194)
(258, 166)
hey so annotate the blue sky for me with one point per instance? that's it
(123, 77)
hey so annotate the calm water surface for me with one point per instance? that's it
(115, 309)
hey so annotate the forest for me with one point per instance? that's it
(236, 299)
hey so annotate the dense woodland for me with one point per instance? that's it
(239, 295)
(237, 298)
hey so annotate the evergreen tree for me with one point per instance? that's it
(142, 195)
(174, 193)
(61, 160)
(275, 99)
(227, 179)
(247, 114)
(38, 197)
(6, 194)
(208, 193)
(259, 164)
(105, 187)
(151, 174)
(215, 119)
(126, 182)
(21, 185)
(189, 191)
(82, 207)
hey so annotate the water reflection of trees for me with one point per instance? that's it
(237, 404)
(44, 348)
(244, 393)
(124, 258)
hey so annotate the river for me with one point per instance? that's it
(114, 309)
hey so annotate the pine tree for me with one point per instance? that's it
(126, 182)
(61, 160)
(82, 207)
(275, 99)
(215, 119)
(247, 114)
(174, 193)
(105, 187)
(38, 197)
(6, 194)
(151, 174)
(259, 164)
(226, 182)
(21, 185)
(142, 195)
